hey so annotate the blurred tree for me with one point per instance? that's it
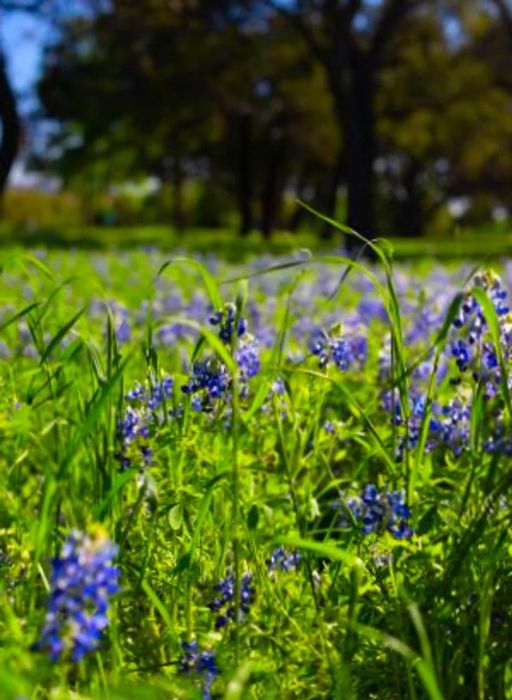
(259, 99)
(448, 138)
(349, 39)
(505, 13)
(490, 29)
(9, 118)
(116, 84)
(191, 90)
(11, 128)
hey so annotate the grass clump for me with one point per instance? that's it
(283, 479)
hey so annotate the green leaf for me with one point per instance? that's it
(60, 335)
(19, 315)
(253, 517)
(176, 517)
(119, 482)
(328, 549)
(91, 419)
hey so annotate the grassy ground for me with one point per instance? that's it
(487, 242)
(312, 485)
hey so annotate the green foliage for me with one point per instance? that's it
(361, 616)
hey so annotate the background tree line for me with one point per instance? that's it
(378, 112)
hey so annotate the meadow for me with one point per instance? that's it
(286, 477)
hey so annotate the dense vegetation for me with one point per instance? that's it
(254, 101)
(391, 115)
(283, 479)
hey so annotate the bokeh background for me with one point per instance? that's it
(205, 123)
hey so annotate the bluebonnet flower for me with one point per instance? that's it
(82, 581)
(225, 319)
(451, 427)
(448, 425)
(318, 345)
(379, 510)
(133, 430)
(278, 387)
(282, 560)
(225, 601)
(498, 444)
(349, 510)
(160, 391)
(278, 391)
(137, 393)
(329, 427)
(470, 314)
(197, 403)
(154, 395)
(248, 359)
(472, 346)
(209, 380)
(463, 353)
(202, 664)
(342, 350)
(413, 424)
(141, 420)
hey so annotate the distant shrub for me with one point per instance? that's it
(32, 209)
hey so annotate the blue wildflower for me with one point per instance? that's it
(282, 560)
(134, 433)
(225, 319)
(202, 664)
(137, 393)
(475, 349)
(341, 350)
(210, 379)
(378, 510)
(161, 391)
(224, 603)
(248, 359)
(462, 352)
(82, 581)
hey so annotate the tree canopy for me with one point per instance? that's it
(380, 112)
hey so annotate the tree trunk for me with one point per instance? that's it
(298, 212)
(412, 214)
(11, 128)
(359, 130)
(178, 198)
(331, 198)
(272, 187)
(351, 82)
(245, 174)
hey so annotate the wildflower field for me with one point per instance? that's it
(284, 478)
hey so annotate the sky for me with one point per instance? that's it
(22, 38)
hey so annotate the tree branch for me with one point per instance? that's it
(351, 9)
(301, 27)
(505, 14)
(11, 128)
(392, 14)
